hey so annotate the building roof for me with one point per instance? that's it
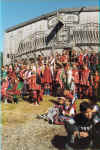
(46, 16)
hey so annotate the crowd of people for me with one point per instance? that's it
(77, 72)
(69, 75)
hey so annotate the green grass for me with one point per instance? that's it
(22, 112)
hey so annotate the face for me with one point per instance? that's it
(88, 113)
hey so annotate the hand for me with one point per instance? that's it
(84, 134)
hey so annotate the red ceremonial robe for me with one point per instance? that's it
(85, 76)
(47, 76)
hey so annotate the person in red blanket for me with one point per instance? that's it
(80, 59)
(85, 80)
(93, 62)
(47, 79)
(91, 90)
(96, 82)
(4, 89)
(36, 89)
(85, 75)
(64, 58)
(58, 77)
(47, 76)
(86, 58)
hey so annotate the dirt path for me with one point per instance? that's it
(34, 135)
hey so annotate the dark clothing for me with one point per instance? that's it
(84, 125)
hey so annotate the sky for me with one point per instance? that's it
(14, 12)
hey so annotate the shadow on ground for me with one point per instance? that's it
(59, 142)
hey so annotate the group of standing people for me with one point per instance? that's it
(77, 72)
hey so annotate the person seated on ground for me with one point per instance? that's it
(80, 130)
(65, 112)
(53, 112)
(61, 112)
